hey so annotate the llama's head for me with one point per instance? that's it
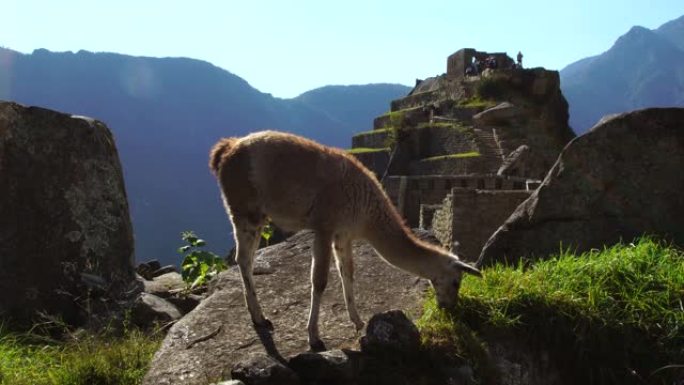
(448, 281)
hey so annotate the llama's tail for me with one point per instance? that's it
(221, 148)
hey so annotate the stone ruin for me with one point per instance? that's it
(460, 152)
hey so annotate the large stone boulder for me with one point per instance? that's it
(391, 332)
(64, 220)
(620, 180)
(211, 339)
(262, 369)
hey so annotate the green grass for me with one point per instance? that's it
(610, 316)
(27, 359)
(371, 132)
(471, 154)
(477, 101)
(364, 150)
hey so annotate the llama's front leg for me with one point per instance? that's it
(247, 242)
(320, 266)
(345, 266)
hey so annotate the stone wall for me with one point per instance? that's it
(374, 139)
(442, 221)
(431, 189)
(415, 100)
(439, 140)
(375, 161)
(427, 212)
(461, 59)
(463, 113)
(458, 61)
(459, 166)
(469, 217)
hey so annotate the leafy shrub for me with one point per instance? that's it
(490, 88)
(396, 132)
(198, 265)
(267, 232)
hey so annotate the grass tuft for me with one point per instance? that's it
(27, 359)
(477, 101)
(363, 150)
(471, 154)
(371, 132)
(610, 316)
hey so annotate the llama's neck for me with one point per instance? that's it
(391, 239)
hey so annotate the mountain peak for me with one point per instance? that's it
(673, 31)
(672, 24)
(639, 40)
(642, 69)
(637, 30)
(636, 34)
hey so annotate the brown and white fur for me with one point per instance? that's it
(300, 184)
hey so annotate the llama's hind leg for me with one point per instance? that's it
(247, 240)
(345, 266)
(320, 266)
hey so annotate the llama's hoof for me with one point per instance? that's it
(265, 324)
(317, 346)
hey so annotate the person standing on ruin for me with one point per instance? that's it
(520, 57)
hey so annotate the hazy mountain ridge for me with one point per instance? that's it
(644, 68)
(165, 114)
(674, 31)
(348, 105)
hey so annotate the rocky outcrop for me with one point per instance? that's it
(64, 220)
(149, 309)
(618, 181)
(165, 298)
(262, 369)
(390, 354)
(209, 341)
(500, 114)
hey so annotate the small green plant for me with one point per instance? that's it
(267, 232)
(396, 130)
(198, 265)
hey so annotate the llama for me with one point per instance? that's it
(300, 184)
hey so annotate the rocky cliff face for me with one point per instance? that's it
(620, 180)
(64, 222)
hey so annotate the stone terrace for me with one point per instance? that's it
(494, 135)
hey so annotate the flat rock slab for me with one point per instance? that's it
(204, 346)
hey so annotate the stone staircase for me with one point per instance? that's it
(491, 153)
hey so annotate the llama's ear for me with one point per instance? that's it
(466, 268)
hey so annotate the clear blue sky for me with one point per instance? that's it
(288, 47)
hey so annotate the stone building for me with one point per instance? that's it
(460, 152)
